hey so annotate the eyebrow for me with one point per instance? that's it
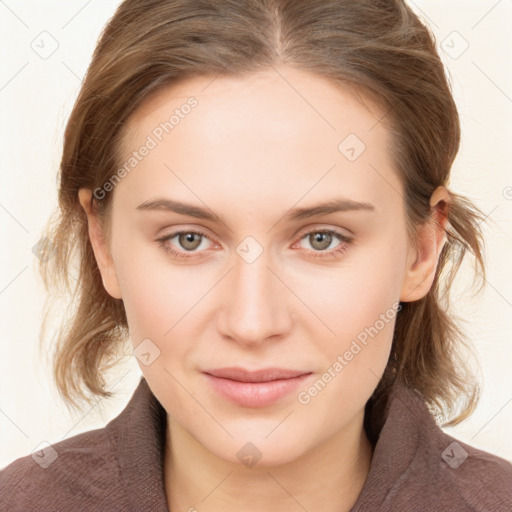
(295, 214)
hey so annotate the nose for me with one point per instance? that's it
(254, 304)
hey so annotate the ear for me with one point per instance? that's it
(423, 260)
(100, 245)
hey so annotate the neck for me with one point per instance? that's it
(328, 478)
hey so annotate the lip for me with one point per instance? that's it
(258, 388)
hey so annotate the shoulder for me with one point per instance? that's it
(78, 472)
(454, 474)
(115, 468)
(417, 466)
(465, 474)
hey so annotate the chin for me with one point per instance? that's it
(258, 450)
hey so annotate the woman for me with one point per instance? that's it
(258, 195)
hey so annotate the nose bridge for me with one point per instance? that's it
(253, 308)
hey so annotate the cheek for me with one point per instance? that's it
(357, 305)
(354, 295)
(157, 295)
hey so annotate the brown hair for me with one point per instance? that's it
(379, 47)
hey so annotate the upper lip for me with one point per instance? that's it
(263, 375)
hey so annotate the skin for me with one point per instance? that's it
(251, 150)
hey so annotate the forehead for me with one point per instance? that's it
(285, 93)
(258, 133)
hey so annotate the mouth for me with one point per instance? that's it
(255, 389)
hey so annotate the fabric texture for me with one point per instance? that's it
(415, 466)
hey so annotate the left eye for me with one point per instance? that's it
(321, 240)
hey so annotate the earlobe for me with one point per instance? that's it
(431, 237)
(100, 246)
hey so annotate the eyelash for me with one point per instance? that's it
(333, 253)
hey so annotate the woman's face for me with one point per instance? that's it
(271, 278)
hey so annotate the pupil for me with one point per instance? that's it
(323, 238)
(187, 241)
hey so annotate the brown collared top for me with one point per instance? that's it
(415, 466)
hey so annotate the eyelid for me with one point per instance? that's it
(320, 228)
(300, 234)
(193, 229)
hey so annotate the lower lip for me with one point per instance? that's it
(255, 394)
